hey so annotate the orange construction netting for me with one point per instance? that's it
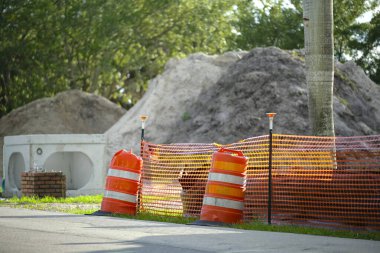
(319, 181)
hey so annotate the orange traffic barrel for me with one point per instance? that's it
(223, 201)
(122, 184)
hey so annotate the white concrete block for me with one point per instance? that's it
(81, 157)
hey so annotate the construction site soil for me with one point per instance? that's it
(221, 98)
(225, 99)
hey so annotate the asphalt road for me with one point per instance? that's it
(24, 230)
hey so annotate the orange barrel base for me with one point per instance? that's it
(221, 214)
(122, 184)
(118, 206)
(223, 201)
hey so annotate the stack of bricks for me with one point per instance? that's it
(43, 184)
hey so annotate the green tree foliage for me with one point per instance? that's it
(279, 23)
(109, 47)
(370, 60)
(346, 13)
(365, 46)
(113, 47)
(269, 23)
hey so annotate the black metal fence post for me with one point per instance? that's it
(143, 118)
(270, 116)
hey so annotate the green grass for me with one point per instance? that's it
(95, 199)
(74, 205)
(260, 226)
(160, 218)
(90, 204)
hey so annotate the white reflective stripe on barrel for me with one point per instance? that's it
(223, 203)
(120, 196)
(212, 176)
(123, 174)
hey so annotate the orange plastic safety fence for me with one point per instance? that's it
(321, 181)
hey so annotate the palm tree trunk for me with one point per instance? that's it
(318, 25)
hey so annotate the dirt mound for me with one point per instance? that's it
(168, 100)
(273, 80)
(197, 100)
(68, 112)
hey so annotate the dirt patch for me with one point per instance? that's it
(70, 112)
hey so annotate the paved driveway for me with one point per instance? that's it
(24, 230)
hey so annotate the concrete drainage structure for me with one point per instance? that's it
(81, 158)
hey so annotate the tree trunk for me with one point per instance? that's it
(318, 25)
